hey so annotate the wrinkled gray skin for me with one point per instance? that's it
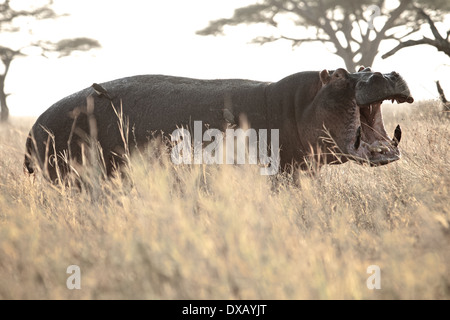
(300, 106)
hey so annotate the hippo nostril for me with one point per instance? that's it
(377, 74)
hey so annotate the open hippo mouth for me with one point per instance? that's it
(371, 143)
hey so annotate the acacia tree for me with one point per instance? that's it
(355, 28)
(10, 23)
(440, 42)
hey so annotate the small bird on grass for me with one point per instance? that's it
(101, 91)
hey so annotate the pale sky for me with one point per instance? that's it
(158, 37)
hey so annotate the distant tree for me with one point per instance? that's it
(354, 27)
(440, 42)
(10, 23)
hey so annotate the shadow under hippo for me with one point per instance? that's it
(334, 114)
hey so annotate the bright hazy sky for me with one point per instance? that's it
(158, 37)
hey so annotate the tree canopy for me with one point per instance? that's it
(355, 28)
(11, 22)
(438, 41)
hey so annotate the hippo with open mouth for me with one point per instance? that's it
(336, 114)
(348, 107)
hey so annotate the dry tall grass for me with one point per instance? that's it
(228, 233)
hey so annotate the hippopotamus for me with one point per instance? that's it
(331, 113)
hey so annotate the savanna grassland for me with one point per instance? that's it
(226, 232)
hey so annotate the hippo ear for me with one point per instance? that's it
(325, 76)
(364, 69)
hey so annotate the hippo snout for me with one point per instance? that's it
(376, 87)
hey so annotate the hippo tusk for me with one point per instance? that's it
(375, 149)
(397, 135)
(358, 138)
(378, 147)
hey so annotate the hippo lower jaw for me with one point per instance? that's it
(371, 144)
